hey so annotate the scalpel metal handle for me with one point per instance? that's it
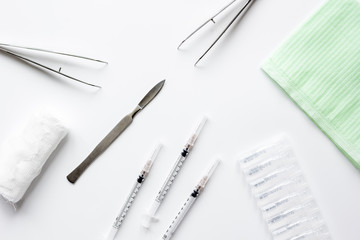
(102, 146)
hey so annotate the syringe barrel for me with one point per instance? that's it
(170, 178)
(179, 217)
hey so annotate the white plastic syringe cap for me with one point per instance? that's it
(208, 173)
(150, 162)
(195, 135)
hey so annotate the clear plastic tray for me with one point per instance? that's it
(282, 194)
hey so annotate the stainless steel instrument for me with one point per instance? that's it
(114, 133)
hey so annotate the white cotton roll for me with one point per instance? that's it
(23, 156)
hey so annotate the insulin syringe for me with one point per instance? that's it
(190, 201)
(125, 208)
(150, 216)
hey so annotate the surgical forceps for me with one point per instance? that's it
(4, 48)
(244, 8)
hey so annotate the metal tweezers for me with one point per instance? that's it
(244, 8)
(5, 49)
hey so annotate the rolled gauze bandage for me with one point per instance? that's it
(23, 156)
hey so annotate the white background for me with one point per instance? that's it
(139, 39)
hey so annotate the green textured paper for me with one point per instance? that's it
(319, 68)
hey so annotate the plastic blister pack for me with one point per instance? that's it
(282, 194)
(281, 189)
(267, 165)
(320, 233)
(284, 203)
(298, 227)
